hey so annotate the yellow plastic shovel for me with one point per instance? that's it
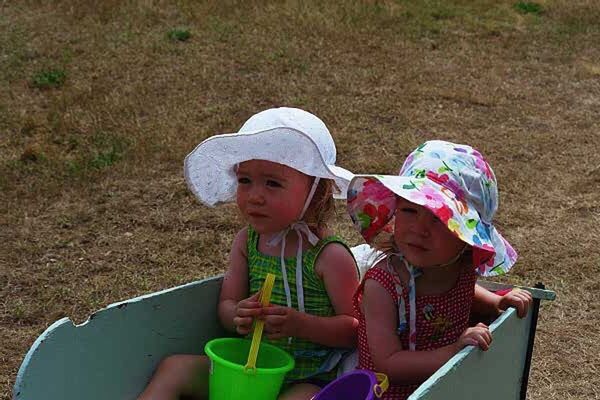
(264, 298)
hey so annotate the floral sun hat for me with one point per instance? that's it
(455, 183)
(287, 136)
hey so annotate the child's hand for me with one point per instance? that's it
(479, 335)
(280, 321)
(245, 312)
(517, 298)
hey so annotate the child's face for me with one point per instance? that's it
(421, 237)
(270, 195)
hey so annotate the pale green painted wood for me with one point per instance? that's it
(536, 293)
(475, 374)
(113, 354)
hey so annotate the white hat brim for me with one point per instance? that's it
(209, 168)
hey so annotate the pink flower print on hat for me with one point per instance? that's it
(456, 184)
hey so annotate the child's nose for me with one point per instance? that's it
(256, 196)
(424, 223)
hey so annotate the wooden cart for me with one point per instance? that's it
(114, 353)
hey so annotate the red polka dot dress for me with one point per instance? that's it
(440, 320)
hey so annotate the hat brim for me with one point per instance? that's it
(371, 205)
(209, 168)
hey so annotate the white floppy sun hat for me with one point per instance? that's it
(287, 136)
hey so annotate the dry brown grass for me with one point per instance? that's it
(93, 207)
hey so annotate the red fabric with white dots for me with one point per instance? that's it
(441, 319)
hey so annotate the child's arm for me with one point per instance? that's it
(488, 303)
(338, 270)
(236, 311)
(388, 356)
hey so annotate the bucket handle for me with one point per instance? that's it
(265, 297)
(382, 385)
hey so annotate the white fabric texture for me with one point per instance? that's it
(287, 136)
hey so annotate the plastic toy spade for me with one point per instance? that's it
(264, 298)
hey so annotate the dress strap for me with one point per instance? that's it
(412, 322)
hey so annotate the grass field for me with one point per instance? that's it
(101, 101)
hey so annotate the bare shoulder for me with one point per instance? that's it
(370, 282)
(372, 286)
(235, 282)
(335, 257)
(239, 242)
(368, 270)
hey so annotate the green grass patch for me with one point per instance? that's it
(47, 79)
(528, 7)
(106, 150)
(106, 158)
(64, 159)
(179, 34)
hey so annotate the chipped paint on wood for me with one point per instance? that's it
(113, 354)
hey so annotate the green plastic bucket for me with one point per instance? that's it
(230, 381)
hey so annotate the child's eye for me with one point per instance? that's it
(243, 180)
(273, 183)
(408, 210)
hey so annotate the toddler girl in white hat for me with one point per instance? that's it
(280, 169)
(434, 223)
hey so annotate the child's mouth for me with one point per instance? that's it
(417, 247)
(256, 215)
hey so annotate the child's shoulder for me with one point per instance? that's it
(329, 242)
(377, 269)
(379, 277)
(242, 234)
(335, 255)
(334, 250)
(240, 241)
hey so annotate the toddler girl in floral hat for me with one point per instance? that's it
(280, 170)
(434, 225)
